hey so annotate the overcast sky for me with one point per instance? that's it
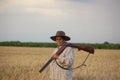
(85, 21)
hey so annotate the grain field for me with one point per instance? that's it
(23, 63)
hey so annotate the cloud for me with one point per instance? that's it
(15, 6)
(44, 11)
(82, 1)
(47, 7)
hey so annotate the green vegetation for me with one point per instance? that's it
(41, 44)
(27, 44)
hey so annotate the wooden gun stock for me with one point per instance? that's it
(84, 48)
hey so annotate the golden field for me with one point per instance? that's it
(23, 63)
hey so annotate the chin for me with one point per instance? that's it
(58, 44)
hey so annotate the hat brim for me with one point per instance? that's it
(64, 37)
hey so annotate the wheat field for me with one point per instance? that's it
(23, 63)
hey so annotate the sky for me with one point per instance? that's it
(84, 21)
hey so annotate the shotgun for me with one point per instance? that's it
(84, 48)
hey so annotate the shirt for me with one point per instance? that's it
(66, 59)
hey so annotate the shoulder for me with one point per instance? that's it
(69, 49)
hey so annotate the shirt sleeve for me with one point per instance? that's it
(67, 57)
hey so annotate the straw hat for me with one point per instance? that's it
(60, 34)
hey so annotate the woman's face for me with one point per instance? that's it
(59, 41)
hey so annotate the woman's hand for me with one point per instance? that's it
(55, 56)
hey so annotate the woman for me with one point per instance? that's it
(66, 58)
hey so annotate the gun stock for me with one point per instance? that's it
(84, 48)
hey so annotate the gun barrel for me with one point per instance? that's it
(48, 62)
